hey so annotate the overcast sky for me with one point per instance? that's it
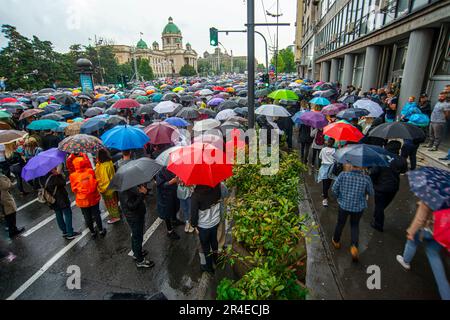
(65, 22)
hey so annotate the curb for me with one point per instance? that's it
(307, 204)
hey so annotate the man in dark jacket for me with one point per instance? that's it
(49, 141)
(305, 140)
(55, 184)
(386, 183)
(134, 209)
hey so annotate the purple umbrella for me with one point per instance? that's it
(314, 119)
(333, 109)
(42, 163)
(215, 102)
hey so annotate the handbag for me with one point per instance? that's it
(46, 197)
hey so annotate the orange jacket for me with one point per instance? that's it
(69, 162)
(84, 184)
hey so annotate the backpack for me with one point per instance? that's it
(319, 139)
(44, 196)
(441, 228)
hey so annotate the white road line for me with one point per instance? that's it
(149, 232)
(48, 265)
(41, 224)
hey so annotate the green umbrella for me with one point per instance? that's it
(142, 99)
(4, 114)
(157, 97)
(43, 125)
(284, 95)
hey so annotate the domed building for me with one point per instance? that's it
(165, 62)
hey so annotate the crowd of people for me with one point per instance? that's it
(200, 208)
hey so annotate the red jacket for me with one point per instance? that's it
(84, 184)
(69, 162)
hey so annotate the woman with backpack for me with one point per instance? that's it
(421, 231)
(104, 172)
(55, 185)
(317, 145)
(84, 186)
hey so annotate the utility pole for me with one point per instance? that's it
(97, 43)
(251, 62)
(218, 61)
(276, 56)
(232, 66)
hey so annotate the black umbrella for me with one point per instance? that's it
(228, 104)
(243, 102)
(243, 111)
(147, 109)
(188, 113)
(64, 99)
(111, 111)
(262, 93)
(116, 120)
(187, 98)
(171, 97)
(46, 90)
(84, 96)
(53, 116)
(94, 111)
(242, 93)
(397, 130)
(352, 113)
(209, 112)
(134, 173)
(348, 99)
(64, 113)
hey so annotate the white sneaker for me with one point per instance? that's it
(325, 203)
(405, 265)
(186, 227)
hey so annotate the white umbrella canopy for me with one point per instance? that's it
(225, 115)
(163, 158)
(214, 140)
(272, 110)
(166, 107)
(205, 125)
(374, 108)
(206, 92)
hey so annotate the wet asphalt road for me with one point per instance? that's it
(105, 265)
(377, 249)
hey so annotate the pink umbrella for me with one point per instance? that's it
(162, 133)
(126, 104)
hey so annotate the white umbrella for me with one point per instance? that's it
(295, 84)
(374, 108)
(206, 92)
(214, 140)
(166, 107)
(205, 125)
(163, 158)
(225, 114)
(272, 110)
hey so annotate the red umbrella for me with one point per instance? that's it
(9, 100)
(200, 164)
(126, 104)
(162, 133)
(218, 88)
(343, 132)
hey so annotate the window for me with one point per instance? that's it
(358, 70)
(324, 8)
(402, 7)
(418, 3)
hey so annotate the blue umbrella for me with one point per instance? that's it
(432, 186)
(92, 125)
(43, 125)
(125, 138)
(321, 101)
(62, 126)
(177, 122)
(296, 117)
(363, 155)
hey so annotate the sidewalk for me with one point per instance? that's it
(375, 249)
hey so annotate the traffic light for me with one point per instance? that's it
(213, 37)
(266, 79)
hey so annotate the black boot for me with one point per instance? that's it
(12, 228)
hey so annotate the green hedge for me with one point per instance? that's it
(267, 224)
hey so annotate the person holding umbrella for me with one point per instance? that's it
(84, 186)
(104, 173)
(9, 206)
(386, 182)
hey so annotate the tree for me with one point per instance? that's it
(288, 59)
(188, 71)
(261, 68)
(145, 70)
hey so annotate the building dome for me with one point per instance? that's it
(142, 44)
(171, 28)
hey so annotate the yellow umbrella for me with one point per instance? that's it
(164, 85)
(298, 81)
(98, 96)
(76, 92)
(43, 105)
(178, 89)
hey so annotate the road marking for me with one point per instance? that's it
(48, 264)
(31, 202)
(42, 223)
(149, 233)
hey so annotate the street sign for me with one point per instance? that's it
(272, 68)
(86, 82)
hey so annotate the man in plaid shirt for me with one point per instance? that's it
(351, 188)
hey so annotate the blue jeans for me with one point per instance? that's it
(185, 206)
(64, 220)
(432, 249)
